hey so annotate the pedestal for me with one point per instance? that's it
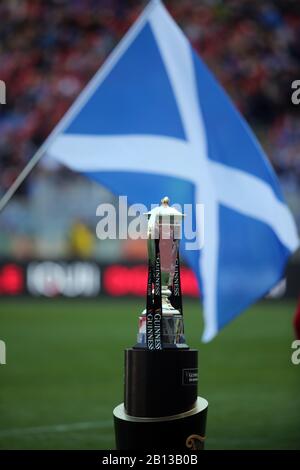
(178, 432)
(161, 410)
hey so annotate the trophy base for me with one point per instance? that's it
(172, 329)
(184, 431)
(164, 346)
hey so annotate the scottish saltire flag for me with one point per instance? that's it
(154, 122)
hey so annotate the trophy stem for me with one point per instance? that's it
(165, 294)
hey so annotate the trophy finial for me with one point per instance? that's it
(165, 201)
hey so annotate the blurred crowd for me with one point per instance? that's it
(50, 49)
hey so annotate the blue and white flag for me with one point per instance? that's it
(153, 122)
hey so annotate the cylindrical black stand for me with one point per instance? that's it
(161, 409)
(160, 383)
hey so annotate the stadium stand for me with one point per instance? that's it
(49, 51)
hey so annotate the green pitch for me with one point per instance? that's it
(64, 374)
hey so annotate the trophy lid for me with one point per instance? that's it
(163, 215)
(164, 210)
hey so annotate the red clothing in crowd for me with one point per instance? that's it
(297, 320)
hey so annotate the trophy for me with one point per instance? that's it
(161, 409)
(161, 323)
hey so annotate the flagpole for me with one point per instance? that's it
(80, 101)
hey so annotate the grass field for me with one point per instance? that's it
(64, 374)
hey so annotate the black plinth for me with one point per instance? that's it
(161, 410)
(160, 383)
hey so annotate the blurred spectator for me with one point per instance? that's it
(296, 321)
(82, 240)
